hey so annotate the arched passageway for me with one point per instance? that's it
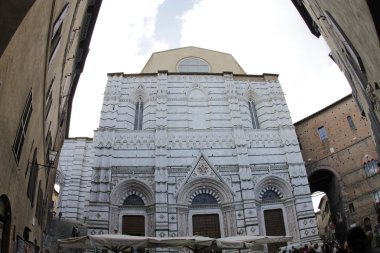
(327, 181)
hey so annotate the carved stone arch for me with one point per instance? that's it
(197, 186)
(131, 193)
(59, 177)
(129, 187)
(367, 158)
(205, 190)
(139, 93)
(196, 88)
(196, 94)
(251, 95)
(279, 185)
(271, 188)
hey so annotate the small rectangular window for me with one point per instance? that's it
(351, 207)
(376, 195)
(371, 168)
(254, 118)
(56, 32)
(40, 205)
(49, 99)
(139, 111)
(351, 122)
(32, 178)
(322, 133)
(22, 128)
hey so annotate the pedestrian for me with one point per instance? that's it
(325, 247)
(357, 241)
(317, 248)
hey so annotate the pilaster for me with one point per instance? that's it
(161, 173)
(246, 184)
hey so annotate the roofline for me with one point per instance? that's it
(190, 73)
(324, 109)
(77, 138)
(174, 49)
(313, 27)
(78, 68)
(179, 48)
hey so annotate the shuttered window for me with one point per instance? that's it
(22, 128)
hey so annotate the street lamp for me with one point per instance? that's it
(52, 157)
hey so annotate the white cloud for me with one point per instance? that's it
(264, 37)
(115, 47)
(269, 37)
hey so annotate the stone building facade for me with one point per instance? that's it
(193, 145)
(341, 160)
(325, 225)
(352, 31)
(43, 47)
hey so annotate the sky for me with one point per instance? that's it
(263, 36)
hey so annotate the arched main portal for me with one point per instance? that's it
(205, 224)
(326, 180)
(206, 202)
(5, 223)
(130, 212)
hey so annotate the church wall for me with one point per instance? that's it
(197, 137)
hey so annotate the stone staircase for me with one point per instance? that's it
(60, 229)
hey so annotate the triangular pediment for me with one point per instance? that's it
(203, 168)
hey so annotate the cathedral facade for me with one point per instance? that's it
(191, 145)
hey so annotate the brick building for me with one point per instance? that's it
(351, 28)
(341, 160)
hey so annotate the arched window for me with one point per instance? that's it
(204, 198)
(139, 114)
(270, 195)
(133, 200)
(193, 64)
(252, 112)
(371, 168)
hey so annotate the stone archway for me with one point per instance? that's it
(325, 179)
(221, 208)
(274, 195)
(129, 211)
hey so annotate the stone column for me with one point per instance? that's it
(99, 206)
(247, 187)
(161, 173)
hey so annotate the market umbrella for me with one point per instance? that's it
(249, 241)
(194, 243)
(115, 243)
(81, 242)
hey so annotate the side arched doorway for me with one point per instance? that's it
(325, 180)
(130, 210)
(5, 223)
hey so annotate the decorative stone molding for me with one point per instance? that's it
(204, 190)
(185, 193)
(124, 188)
(270, 188)
(274, 182)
